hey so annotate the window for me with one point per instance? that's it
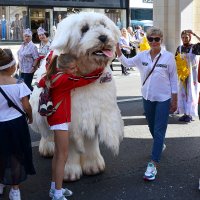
(142, 14)
(13, 20)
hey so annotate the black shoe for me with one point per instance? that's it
(182, 118)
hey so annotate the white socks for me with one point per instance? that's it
(15, 191)
(53, 185)
(57, 193)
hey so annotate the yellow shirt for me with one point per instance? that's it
(144, 45)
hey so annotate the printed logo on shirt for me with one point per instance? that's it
(144, 63)
(161, 65)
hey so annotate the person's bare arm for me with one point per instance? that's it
(191, 32)
(35, 65)
(28, 109)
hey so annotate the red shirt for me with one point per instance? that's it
(61, 90)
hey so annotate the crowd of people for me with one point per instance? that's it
(131, 42)
(164, 90)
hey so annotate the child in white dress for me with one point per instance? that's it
(15, 144)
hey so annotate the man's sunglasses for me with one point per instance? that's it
(151, 39)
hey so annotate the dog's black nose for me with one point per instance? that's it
(102, 38)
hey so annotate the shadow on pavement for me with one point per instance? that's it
(122, 180)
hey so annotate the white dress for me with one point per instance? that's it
(188, 97)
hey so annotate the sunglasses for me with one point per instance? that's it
(151, 39)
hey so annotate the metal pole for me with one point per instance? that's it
(128, 13)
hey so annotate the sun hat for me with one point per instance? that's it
(6, 59)
(27, 32)
(40, 31)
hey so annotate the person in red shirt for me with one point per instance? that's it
(60, 91)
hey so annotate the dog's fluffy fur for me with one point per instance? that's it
(92, 38)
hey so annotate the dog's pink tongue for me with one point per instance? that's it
(108, 53)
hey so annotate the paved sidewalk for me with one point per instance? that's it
(178, 174)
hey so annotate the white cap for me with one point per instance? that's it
(27, 32)
(40, 31)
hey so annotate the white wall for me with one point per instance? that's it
(173, 16)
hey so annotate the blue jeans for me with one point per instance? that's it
(157, 115)
(27, 77)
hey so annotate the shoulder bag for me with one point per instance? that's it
(151, 69)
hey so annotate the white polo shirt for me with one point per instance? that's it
(162, 82)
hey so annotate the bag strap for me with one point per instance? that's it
(48, 83)
(151, 70)
(10, 102)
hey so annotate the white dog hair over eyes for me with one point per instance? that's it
(72, 30)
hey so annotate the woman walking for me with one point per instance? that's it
(159, 91)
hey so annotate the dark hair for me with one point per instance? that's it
(47, 35)
(185, 32)
(6, 56)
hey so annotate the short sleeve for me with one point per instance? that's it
(23, 90)
(35, 53)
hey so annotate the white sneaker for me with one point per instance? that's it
(61, 198)
(14, 195)
(1, 188)
(66, 192)
(150, 173)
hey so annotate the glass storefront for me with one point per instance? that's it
(14, 19)
(40, 17)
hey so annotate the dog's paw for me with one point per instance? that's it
(92, 165)
(72, 173)
(46, 147)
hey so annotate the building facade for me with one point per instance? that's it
(141, 13)
(17, 15)
(174, 16)
(141, 9)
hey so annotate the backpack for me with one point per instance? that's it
(45, 105)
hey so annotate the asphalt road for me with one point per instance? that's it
(178, 174)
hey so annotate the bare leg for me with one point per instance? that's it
(15, 187)
(61, 139)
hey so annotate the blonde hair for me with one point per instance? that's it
(154, 31)
(62, 62)
(64, 59)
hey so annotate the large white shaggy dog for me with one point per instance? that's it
(92, 38)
